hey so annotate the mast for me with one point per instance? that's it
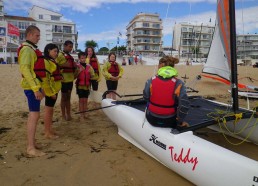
(234, 81)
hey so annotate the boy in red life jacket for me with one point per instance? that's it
(27, 58)
(69, 70)
(85, 74)
(112, 71)
(166, 95)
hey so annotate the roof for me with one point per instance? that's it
(19, 18)
(35, 6)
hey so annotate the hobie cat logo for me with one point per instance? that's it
(157, 142)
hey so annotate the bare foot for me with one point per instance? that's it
(69, 118)
(40, 145)
(63, 118)
(51, 136)
(35, 153)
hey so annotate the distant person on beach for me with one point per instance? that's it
(28, 55)
(51, 85)
(85, 74)
(140, 58)
(166, 95)
(92, 59)
(135, 59)
(68, 67)
(112, 71)
(124, 62)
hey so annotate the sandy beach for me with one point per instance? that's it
(92, 153)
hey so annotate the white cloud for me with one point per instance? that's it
(80, 5)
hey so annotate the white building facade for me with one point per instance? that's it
(52, 30)
(144, 33)
(247, 46)
(192, 41)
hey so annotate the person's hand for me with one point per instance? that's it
(38, 95)
(184, 124)
(98, 80)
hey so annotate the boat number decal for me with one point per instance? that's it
(255, 179)
(157, 142)
(183, 157)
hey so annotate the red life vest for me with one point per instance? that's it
(162, 99)
(71, 68)
(83, 78)
(94, 64)
(57, 73)
(39, 65)
(114, 69)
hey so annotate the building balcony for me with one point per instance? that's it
(57, 40)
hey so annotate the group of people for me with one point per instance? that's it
(45, 74)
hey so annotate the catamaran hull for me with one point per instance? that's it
(197, 160)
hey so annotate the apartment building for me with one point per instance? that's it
(247, 46)
(53, 30)
(144, 33)
(191, 40)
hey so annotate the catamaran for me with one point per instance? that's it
(197, 160)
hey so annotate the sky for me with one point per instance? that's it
(102, 20)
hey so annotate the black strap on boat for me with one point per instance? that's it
(94, 109)
(128, 102)
(120, 96)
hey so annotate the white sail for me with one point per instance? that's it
(218, 62)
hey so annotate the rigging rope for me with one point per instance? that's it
(224, 128)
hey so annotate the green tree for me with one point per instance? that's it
(103, 49)
(195, 50)
(91, 43)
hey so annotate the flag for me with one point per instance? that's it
(120, 34)
(117, 40)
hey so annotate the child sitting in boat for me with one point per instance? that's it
(85, 74)
(112, 71)
(166, 96)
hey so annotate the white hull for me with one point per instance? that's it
(199, 161)
(253, 95)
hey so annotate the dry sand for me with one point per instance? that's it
(92, 153)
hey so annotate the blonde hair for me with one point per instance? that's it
(169, 61)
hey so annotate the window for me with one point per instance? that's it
(22, 36)
(145, 24)
(156, 25)
(156, 32)
(55, 18)
(40, 16)
(184, 29)
(67, 29)
(23, 25)
(57, 28)
(146, 32)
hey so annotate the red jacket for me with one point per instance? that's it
(83, 78)
(162, 104)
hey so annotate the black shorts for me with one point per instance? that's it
(111, 85)
(169, 122)
(82, 93)
(94, 85)
(67, 87)
(50, 102)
